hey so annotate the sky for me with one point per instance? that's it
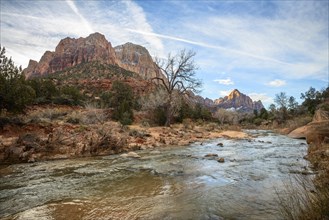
(260, 47)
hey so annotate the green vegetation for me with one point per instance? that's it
(104, 86)
(196, 112)
(45, 90)
(92, 71)
(121, 99)
(313, 98)
(15, 92)
(287, 112)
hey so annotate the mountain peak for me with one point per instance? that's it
(71, 51)
(96, 35)
(238, 100)
(235, 93)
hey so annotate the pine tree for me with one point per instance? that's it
(15, 93)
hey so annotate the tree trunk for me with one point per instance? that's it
(169, 112)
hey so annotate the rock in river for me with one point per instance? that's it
(130, 155)
(211, 155)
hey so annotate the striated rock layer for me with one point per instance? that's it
(71, 52)
(135, 58)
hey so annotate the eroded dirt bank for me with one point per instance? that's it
(62, 132)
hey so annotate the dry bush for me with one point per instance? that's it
(188, 124)
(301, 200)
(47, 114)
(297, 122)
(87, 117)
(94, 115)
(153, 100)
(211, 126)
(75, 117)
(110, 136)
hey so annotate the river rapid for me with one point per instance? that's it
(165, 183)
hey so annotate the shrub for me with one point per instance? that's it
(122, 102)
(159, 115)
(45, 90)
(49, 114)
(70, 95)
(300, 200)
(126, 118)
(15, 93)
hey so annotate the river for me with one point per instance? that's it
(165, 183)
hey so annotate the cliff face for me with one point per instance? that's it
(238, 100)
(71, 52)
(135, 58)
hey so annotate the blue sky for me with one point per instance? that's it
(258, 47)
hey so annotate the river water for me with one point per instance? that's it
(165, 183)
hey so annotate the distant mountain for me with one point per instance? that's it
(71, 52)
(238, 101)
(235, 100)
(93, 63)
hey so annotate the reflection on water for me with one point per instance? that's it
(169, 183)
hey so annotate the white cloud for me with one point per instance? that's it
(210, 46)
(266, 100)
(227, 81)
(289, 42)
(28, 30)
(276, 83)
(76, 11)
(290, 46)
(140, 23)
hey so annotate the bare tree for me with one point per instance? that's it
(281, 100)
(222, 115)
(179, 77)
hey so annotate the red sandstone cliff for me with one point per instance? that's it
(71, 52)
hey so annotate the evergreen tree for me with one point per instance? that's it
(122, 102)
(15, 93)
(311, 99)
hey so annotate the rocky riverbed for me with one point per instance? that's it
(67, 132)
(177, 182)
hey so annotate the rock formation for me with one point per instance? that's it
(135, 58)
(317, 131)
(71, 52)
(238, 100)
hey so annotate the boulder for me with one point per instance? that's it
(131, 154)
(316, 131)
(234, 134)
(211, 155)
(299, 133)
